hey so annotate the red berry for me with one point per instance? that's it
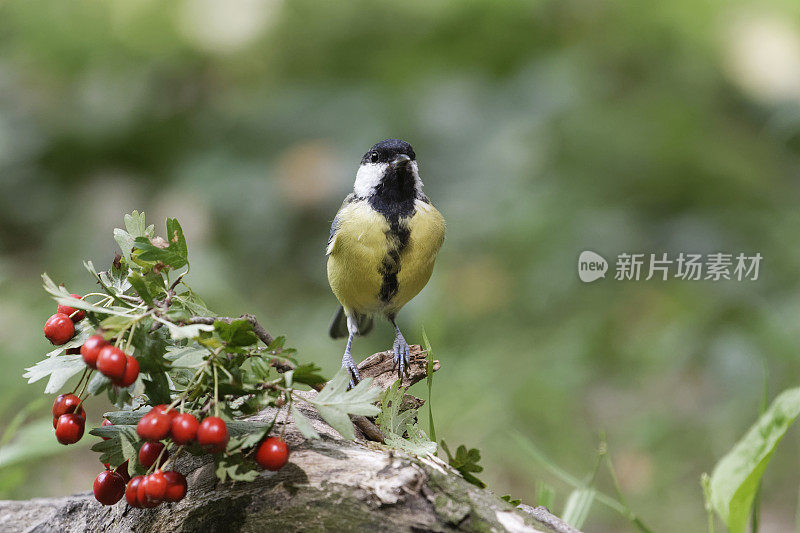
(65, 404)
(155, 486)
(212, 434)
(153, 426)
(141, 495)
(108, 487)
(111, 362)
(67, 310)
(91, 349)
(122, 470)
(176, 486)
(131, 491)
(131, 372)
(149, 452)
(272, 454)
(184, 428)
(59, 329)
(69, 428)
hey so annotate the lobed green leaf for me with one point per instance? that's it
(335, 403)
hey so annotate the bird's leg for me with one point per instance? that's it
(401, 351)
(347, 358)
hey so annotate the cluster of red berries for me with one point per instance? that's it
(60, 327)
(116, 365)
(139, 491)
(98, 354)
(69, 418)
(161, 423)
(153, 489)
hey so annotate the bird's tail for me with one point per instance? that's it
(338, 327)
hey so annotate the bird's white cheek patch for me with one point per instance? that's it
(368, 177)
(417, 179)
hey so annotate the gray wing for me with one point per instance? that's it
(334, 228)
(337, 222)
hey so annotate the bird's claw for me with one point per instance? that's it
(352, 369)
(402, 356)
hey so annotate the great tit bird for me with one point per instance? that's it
(382, 246)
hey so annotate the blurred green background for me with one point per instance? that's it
(542, 128)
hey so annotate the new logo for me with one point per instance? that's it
(591, 266)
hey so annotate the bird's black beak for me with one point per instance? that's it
(401, 161)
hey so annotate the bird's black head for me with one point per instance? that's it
(388, 175)
(387, 151)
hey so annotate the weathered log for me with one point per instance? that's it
(330, 484)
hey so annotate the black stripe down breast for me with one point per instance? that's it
(397, 214)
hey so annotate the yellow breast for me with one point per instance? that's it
(359, 249)
(355, 254)
(417, 258)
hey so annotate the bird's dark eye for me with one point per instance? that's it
(373, 157)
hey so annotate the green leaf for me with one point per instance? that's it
(111, 287)
(304, 424)
(116, 278)
(138, 284)
(235, 467)
(247, 436)
(277, 343)
(391, 419)
(114, 325)
(193, 304)
(245, 427)
(334, 403)
(578, 505)
(121, 446)
(135, 225)
(98, 384)
(150, 252)
(417, 442)
(260, 367)
(308, 374)
(237, 333)
(123, 418)
(60, 368)
(507, 498)
(466, 462)
(157, 388)
(176, 239)
(736, 477)
(125, 242)
(174, 255)
(62, 296)
(190, 356)
(149, 348)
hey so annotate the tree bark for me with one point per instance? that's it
(330, 484)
